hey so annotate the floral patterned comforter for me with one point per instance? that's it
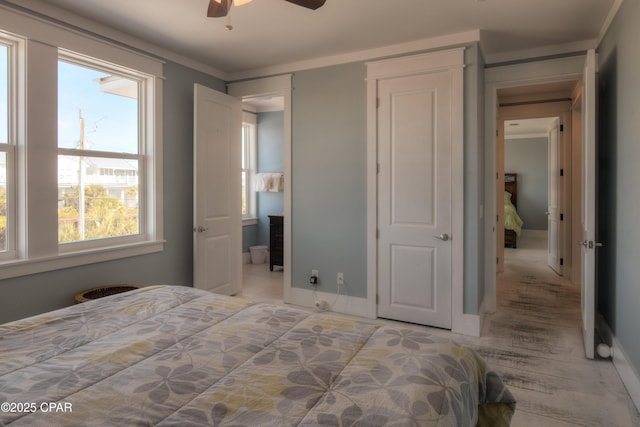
(177, 356)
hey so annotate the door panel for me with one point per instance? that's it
(553, 208)
(588, 241)
(217, 192)
(414, 196)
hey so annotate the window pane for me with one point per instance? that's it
(107, 188)
(97, 110)
(4, 95)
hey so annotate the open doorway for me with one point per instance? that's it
(538, 153)
(531, 192)
(263, 195)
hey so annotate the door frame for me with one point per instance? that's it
(403, 66)
(549, 71)
(276, 86)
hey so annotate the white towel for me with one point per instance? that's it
(277, 182)
(263, 181)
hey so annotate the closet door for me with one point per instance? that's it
(415, 199)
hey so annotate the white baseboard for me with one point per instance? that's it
(337, 303)
(626, 370)
(468, 324)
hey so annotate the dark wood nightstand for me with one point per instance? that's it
(276, 241)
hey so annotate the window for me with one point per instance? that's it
(249, 207)
(7, 150)
(80, 150)
(99, 152)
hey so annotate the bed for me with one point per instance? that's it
(512, 221)
(178, 356)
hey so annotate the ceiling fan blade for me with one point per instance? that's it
(309, 4)
(218, 8)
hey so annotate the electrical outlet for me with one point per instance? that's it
(340, 279)
(314, 279)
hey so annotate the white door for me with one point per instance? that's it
(217, 192)
(588, 241)
(553, 203)
(414, 199)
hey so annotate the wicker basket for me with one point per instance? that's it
(104, 291)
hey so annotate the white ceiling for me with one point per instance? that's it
(527, 128)
(271, 35)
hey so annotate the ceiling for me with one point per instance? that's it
(270, 36)
(527, 128)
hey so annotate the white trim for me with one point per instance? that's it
(525, 74)
(365, 55)
(627, 373)
(23, 267)
(630, 377)
(344, 304)
(453, 60)
(281, 86)
(607, 22)
(52, 34)
(540, 52)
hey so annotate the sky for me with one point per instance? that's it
(111, 121)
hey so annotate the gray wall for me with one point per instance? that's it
(618, 178)
(528, 158)
(28, 295)
(474, 154)
(329, 147)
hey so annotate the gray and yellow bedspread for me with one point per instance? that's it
(177, 356)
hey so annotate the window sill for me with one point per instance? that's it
(249, 221)
(21, 267)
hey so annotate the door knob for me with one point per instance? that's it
(444, 237)
(591, 244)
(200, 229)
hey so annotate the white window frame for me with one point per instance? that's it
(143, 83)
(33, 116)
(249, 125)
(12, 44)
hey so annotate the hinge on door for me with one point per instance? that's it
(377, 233)
(561, 172)
(377, 102)
(497, 260)
(377, 299)
(561, 261)
(377, 167)
(561, 128)
(561, 217)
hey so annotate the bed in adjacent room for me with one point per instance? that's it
(178, 356)
(512, 221)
